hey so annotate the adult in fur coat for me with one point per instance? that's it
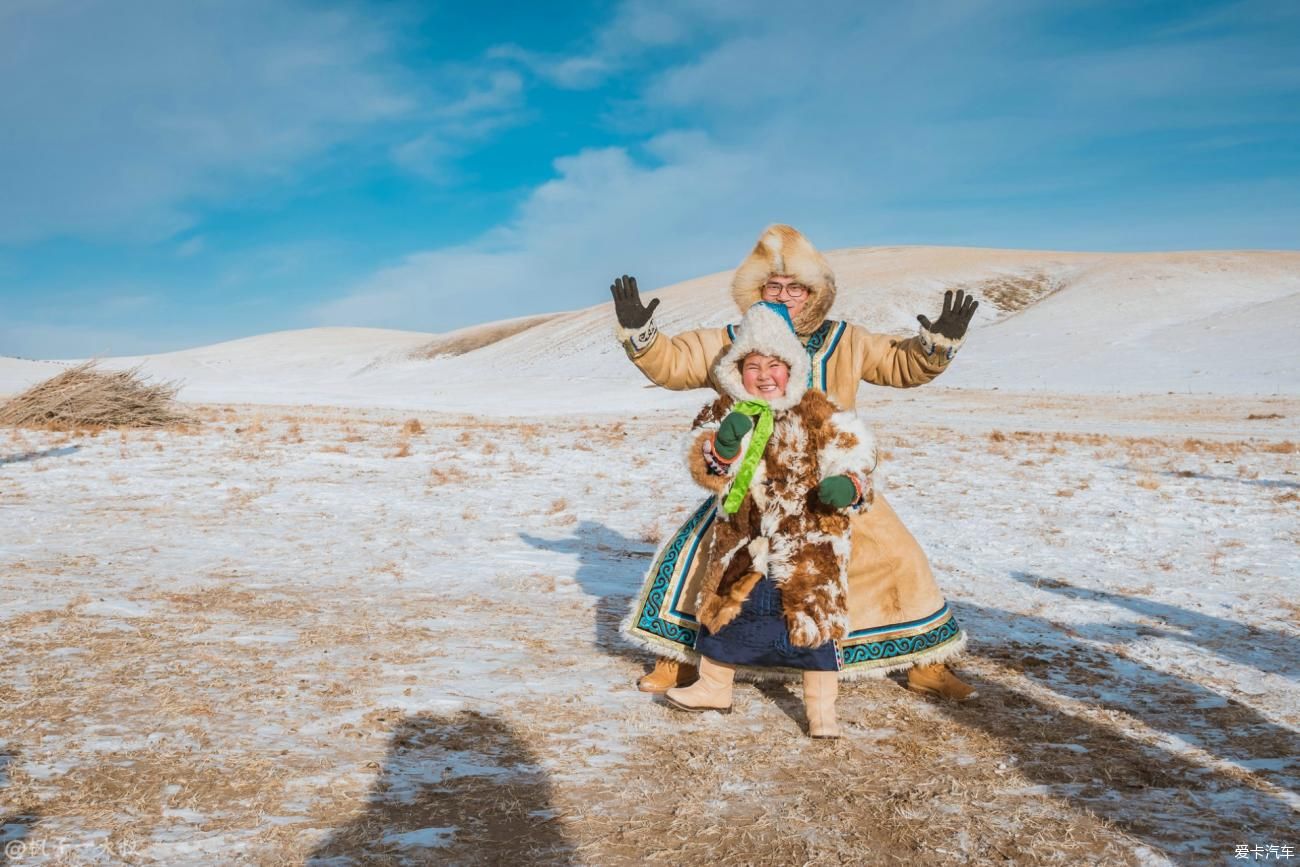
(775, 594)
(898, 619)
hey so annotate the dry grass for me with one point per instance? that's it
(1013, 293)
(412, 427)
(476, 338)
(403, 450)
(87, 398)
(449, 475)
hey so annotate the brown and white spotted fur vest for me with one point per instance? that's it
(782, 528)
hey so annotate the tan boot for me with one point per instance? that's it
(667, 674)
(711, 692)
(938, 680)
(820, 689)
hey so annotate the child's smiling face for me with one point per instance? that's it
(764, 376)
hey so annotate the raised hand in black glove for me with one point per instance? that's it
(955, 317)
(627, 303)
(730, 433)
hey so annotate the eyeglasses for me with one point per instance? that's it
(794, 290)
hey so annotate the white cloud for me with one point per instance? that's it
(860, 124)
(603, 215)
(119, 115)
(486, 101)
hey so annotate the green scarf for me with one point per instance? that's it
(753, 454)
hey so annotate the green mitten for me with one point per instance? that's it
(837, 492)
(733, 430)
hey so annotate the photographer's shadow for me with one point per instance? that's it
(14, 827)
(609, 566)
(461, 789)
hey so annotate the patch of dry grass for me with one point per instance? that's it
(87, 398)
(478, 337)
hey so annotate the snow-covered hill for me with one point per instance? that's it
(1216, 322)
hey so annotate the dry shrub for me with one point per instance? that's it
(447, 475)
(477, 337)
(341, 450)
(412, 427)
(85, 397)
(403, 450)
(558, 506)
(490, 448)
(1286, 447)
(1066, 492)
(293, 434)
(997, 436)
(1148, 482)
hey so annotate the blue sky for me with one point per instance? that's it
(175, 174)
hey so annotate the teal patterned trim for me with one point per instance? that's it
(649, 619)
(831, 344)
(893, 648)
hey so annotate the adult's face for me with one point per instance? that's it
(786, 290)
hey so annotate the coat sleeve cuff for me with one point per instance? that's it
(637, 340)
(937, 348)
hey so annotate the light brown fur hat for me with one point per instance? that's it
(783, 250)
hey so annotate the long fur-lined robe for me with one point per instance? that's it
(782, 528)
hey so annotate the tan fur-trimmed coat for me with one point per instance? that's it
(782, 528)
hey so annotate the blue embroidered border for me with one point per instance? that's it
(892, 648)
(650, 621)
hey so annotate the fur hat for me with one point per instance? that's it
(783, 250)
(766, 329)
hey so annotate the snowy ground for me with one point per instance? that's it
(303, 635)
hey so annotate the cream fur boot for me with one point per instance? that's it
(711, 692)
(820, 689)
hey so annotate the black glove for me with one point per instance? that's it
(730, 433)
(955, 317)
(627, 303)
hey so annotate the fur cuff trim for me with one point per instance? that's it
(852, 448)
(637, 340)
(705, 466)
(937, 347)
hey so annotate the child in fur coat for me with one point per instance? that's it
(788, 467)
